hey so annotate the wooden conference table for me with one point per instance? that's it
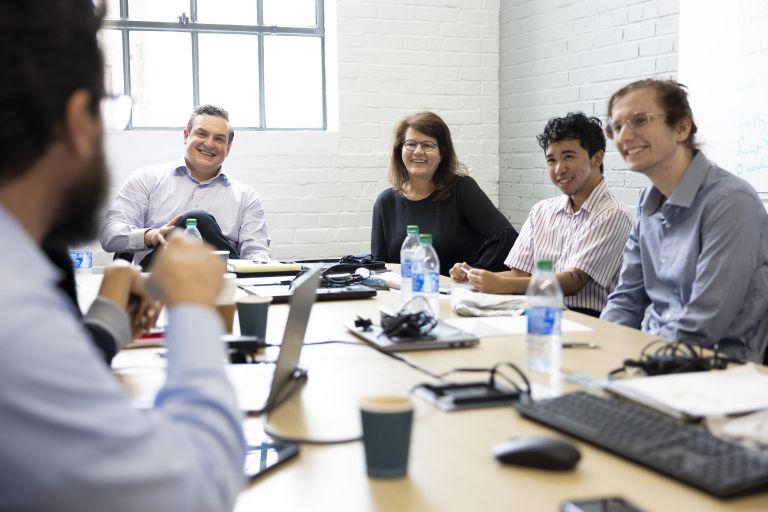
(451, 466)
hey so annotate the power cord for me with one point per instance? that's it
(303, 440)
(404, 325)
(494, 371)
(675, 357)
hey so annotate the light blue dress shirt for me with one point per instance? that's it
(71, 440)
(155, 194)
(700, 259)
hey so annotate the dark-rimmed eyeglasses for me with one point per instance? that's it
(637, 121)
(427, 147)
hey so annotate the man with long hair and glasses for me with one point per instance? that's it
(698, 252)
(72, 439)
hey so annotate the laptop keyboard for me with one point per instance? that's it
(676, 449)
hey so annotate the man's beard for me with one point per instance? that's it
(78, 220)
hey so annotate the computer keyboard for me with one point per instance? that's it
(659, 442)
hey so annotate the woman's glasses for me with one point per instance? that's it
(427, 147)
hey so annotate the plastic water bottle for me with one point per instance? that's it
(426, 274)
(82, 259)
(543, 347)
(407, 250)
(192, 231)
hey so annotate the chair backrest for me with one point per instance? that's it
(127, 256)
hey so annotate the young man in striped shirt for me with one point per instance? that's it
(583, 231)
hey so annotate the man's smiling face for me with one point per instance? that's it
(207, 145)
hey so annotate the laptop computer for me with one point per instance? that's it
(442, 336)
(260, 387)
(282, 288)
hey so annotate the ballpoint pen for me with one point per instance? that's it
(581, 344)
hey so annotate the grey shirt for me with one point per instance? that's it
(700, 260)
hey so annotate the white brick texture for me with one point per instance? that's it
(495, 70)
(394, 58)
(558, 56)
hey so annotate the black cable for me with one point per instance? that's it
(509, 364)
(329, 342)
(406, 325)
(303, 440)
(296, 382)
(675, 357)
(405, 360)
(494, 371)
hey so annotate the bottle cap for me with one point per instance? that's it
(412, 229)
(544, 265)
(425, 238)
(191, 222)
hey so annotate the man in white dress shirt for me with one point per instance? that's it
(158, 198)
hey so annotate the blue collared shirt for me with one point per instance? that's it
(71, 439)
(155, 194)
(700, 259)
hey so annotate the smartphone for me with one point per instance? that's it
(265, 455)
(613, 504)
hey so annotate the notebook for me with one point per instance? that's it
(442, 336)
(250, 267)
(260, 387)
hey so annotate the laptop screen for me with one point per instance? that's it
(301, 301)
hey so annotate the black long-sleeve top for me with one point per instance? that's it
(465, 226)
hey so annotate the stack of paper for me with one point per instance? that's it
(696, 395)
(506, 325)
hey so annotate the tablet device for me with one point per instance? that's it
(266, 454)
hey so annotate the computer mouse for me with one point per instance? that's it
(538, 452)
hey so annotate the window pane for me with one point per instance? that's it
(113, 9)
(235, 87)
(152, 10)
(291, 13)
(293, 82)
(161, 78)
(227, 12)
(112, 46)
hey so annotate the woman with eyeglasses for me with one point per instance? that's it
(430, 188)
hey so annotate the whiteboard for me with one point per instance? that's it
(723, 61)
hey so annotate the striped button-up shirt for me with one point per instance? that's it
(590, 239)
(155, 194)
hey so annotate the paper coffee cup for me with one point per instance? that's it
(252, 314)
(225, 303)
(386, 422)
(224, 255)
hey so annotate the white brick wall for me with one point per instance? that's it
(395, 57)
(496, 70)
(560, 55)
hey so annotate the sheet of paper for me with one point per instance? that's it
(699, 394)
(505, 325)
